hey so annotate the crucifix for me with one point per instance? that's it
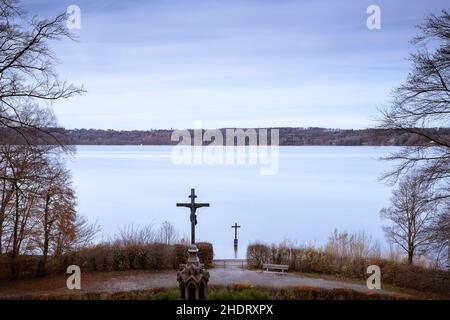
(235, 230)
(193, 206)
(235, 239)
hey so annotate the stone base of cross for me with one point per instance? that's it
(193, 277)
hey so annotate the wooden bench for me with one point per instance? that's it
(280, 267)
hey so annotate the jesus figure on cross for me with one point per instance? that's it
(193, 206)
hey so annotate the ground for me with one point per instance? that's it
(225, 272)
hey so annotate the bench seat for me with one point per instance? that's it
(280, 267)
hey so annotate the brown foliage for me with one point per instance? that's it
(313, 260)
(205, 253)
(181, 255)
(112, 257)
(257, 255)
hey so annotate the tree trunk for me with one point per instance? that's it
(15, 253)
(410, 257)
(42, 267)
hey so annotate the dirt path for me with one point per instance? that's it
(226, 272)
(230, 272)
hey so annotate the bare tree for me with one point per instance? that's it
(21, 164)
(57, 213)
(37, 205)
(37, 208)
(167, 233)
(422, 105)
(134, 236)
(85, 232)
(6, 195)
(410, 215)
(356, 245)
(440, 236)
(27, 75)
(23, 168)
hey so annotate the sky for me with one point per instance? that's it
(249, 63)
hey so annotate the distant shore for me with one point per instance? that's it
(287, 137)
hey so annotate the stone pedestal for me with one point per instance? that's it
(193, 277)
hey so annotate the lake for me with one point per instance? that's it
(316, 190)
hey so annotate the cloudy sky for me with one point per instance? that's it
(248, 63)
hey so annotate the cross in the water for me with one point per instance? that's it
(235, 230)
(193, 206)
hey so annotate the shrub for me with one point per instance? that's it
(258, 254)
(205, 253)
(27, 266)
(115, 256)
(180, 255)
(159, 256)
(166, 295)
(348, 256)
(120, 261)
(242, 294)
(241, 286)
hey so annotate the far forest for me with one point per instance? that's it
(288, 137)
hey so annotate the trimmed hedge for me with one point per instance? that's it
(26, 266)
(311, 260)
(116, 258)
(205, 253)
(110, 257)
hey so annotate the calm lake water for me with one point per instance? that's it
(316, 190)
